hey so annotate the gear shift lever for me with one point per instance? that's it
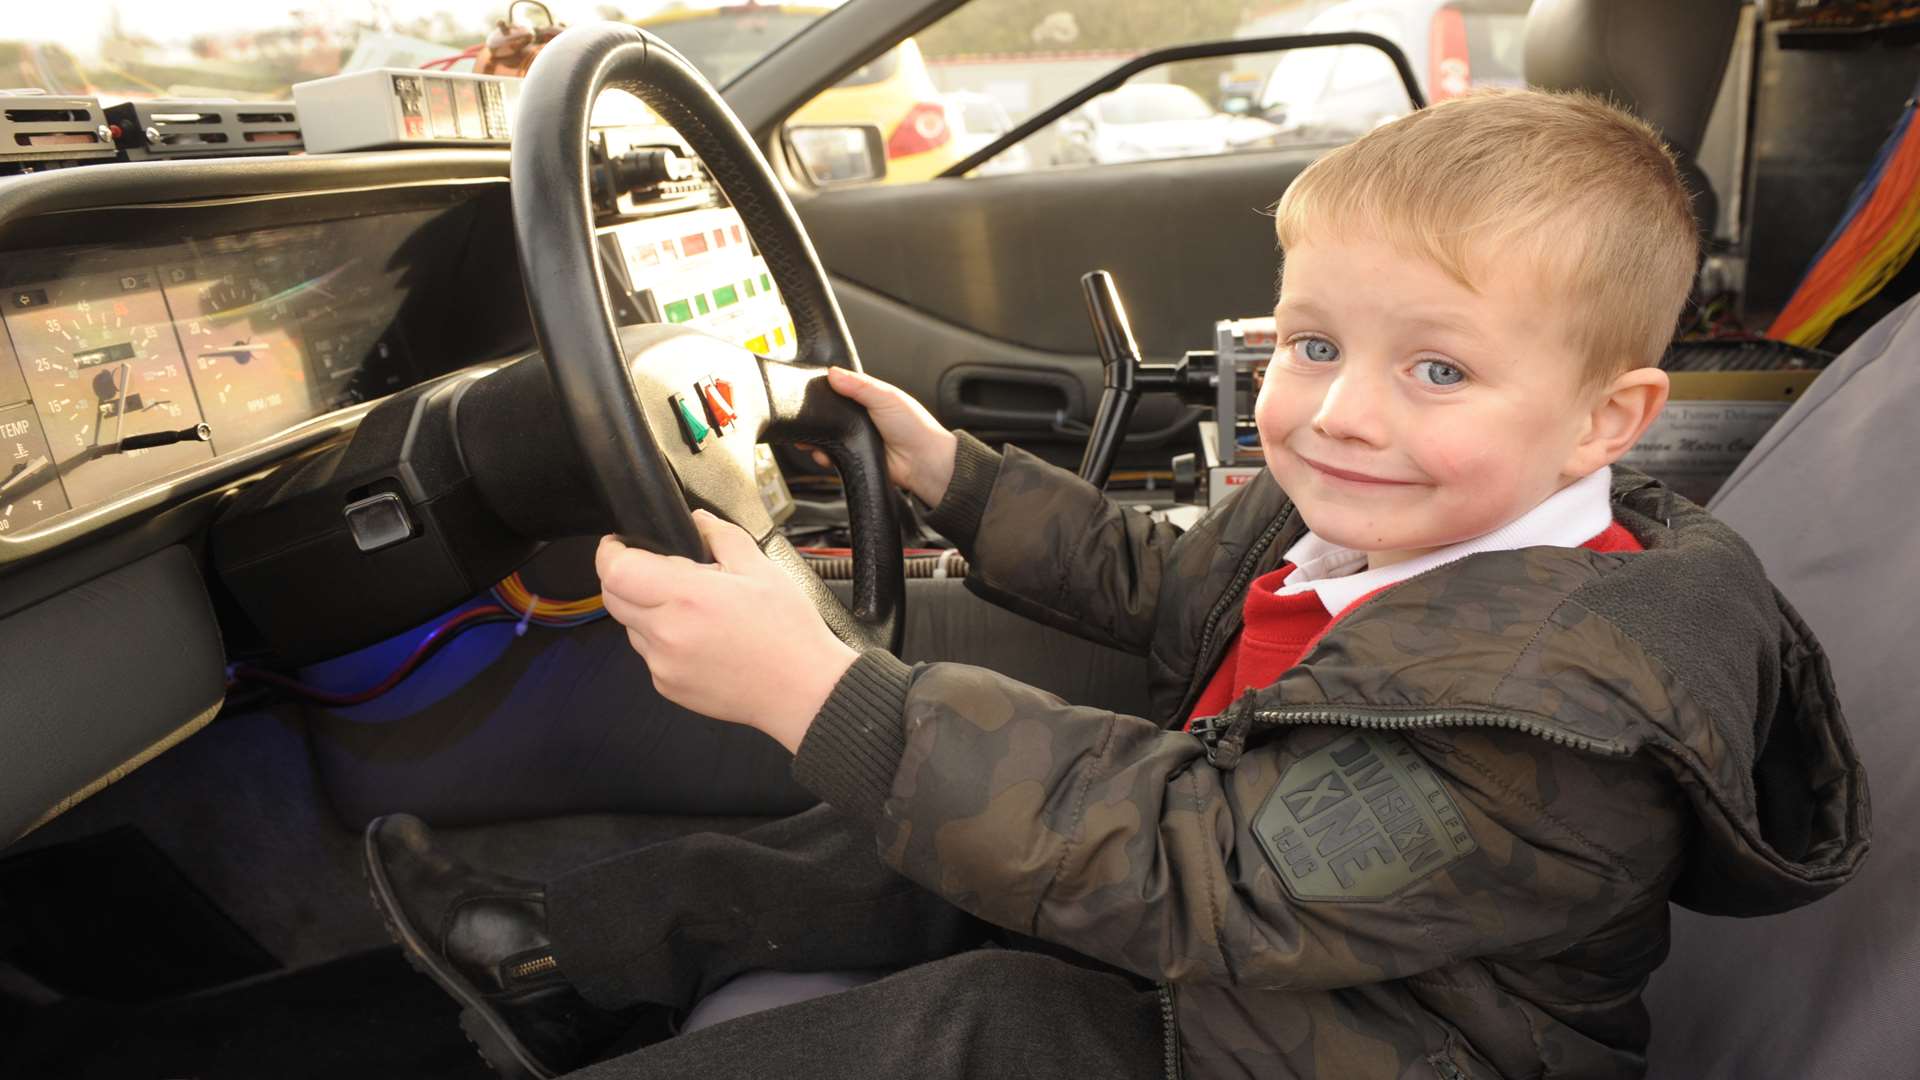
(1120, 371)
(1195, 379)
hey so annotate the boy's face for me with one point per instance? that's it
(1403, 411)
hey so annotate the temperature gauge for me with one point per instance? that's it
(29, 483)
(102, 361)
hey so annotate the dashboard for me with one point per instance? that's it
(205, 366)
(240, 312)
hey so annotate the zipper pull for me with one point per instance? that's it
(1225, 735)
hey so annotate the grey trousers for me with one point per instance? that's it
(667, 924)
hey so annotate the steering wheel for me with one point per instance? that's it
(665, 417)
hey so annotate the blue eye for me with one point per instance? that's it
(1439, 373)
(1315, 350)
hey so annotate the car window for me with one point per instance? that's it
(1023, 55)
(983, 117)
(1149, 104)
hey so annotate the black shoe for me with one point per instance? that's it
(483, 938)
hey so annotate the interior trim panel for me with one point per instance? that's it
(155, 664)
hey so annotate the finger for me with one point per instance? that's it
(821, 459)
(603, 555)
(624, 611)
(732, 547)
(860, 386)
(648, 580)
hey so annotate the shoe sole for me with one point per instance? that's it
(489, 1034)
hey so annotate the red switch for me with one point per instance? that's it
(719, 408)
(726, 391)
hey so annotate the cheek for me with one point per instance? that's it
(1281, 406)
(1457, 453)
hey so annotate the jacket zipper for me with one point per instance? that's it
(1226, 735)
(1170, 1032)
(1241, 575)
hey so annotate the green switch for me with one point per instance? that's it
(691, 425)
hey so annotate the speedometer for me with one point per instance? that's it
(102, 361)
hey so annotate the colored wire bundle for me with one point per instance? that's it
(436, 639)
(512, 602)
(514, 595)
(1875, 238)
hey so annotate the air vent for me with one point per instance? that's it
(188, 129)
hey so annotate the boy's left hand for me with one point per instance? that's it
(735, 639)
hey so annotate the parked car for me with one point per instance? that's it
(893, 92)
(1334, 94)
(1147, 121)
(977, 120)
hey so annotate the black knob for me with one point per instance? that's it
(650, 168)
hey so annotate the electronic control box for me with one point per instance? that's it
(45, 130)
(1232, 450)
(400, 107)
(165, 128)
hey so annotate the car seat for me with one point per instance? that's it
(1827, 501)
(1662, 59)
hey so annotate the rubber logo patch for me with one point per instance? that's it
(1359, 820)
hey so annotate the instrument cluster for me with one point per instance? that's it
(121, 367)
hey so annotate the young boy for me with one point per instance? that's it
(1464, 706)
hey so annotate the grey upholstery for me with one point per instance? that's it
(1830, 501)
(1663, 59)
(758, 990)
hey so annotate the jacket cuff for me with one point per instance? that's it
(850, 754)
(976, 467)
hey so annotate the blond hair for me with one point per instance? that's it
(1585, 195)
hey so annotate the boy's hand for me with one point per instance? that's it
(735, 639)
(919, 451)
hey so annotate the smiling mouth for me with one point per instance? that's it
(1353, 477)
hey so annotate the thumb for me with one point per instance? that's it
(732, 546)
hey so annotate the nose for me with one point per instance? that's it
(1351, 408)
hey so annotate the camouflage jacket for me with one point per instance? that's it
(1442, 845)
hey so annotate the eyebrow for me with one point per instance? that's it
(1445, 321)
(1433, 319)
(1304, 308)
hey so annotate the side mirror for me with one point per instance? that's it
(1237, 105)
(839, 155)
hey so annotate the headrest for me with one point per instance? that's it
(1663, 59)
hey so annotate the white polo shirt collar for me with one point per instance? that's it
(1568, 518)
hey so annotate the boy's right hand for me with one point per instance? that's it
(919, 451)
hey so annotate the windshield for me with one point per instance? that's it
(1152, 104)
(257, 49)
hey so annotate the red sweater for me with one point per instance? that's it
(1278, 630)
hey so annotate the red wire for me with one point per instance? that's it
(445, 62)
(437, 636)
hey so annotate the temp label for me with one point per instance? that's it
(1360, 819)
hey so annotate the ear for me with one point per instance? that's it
(1621, 414)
